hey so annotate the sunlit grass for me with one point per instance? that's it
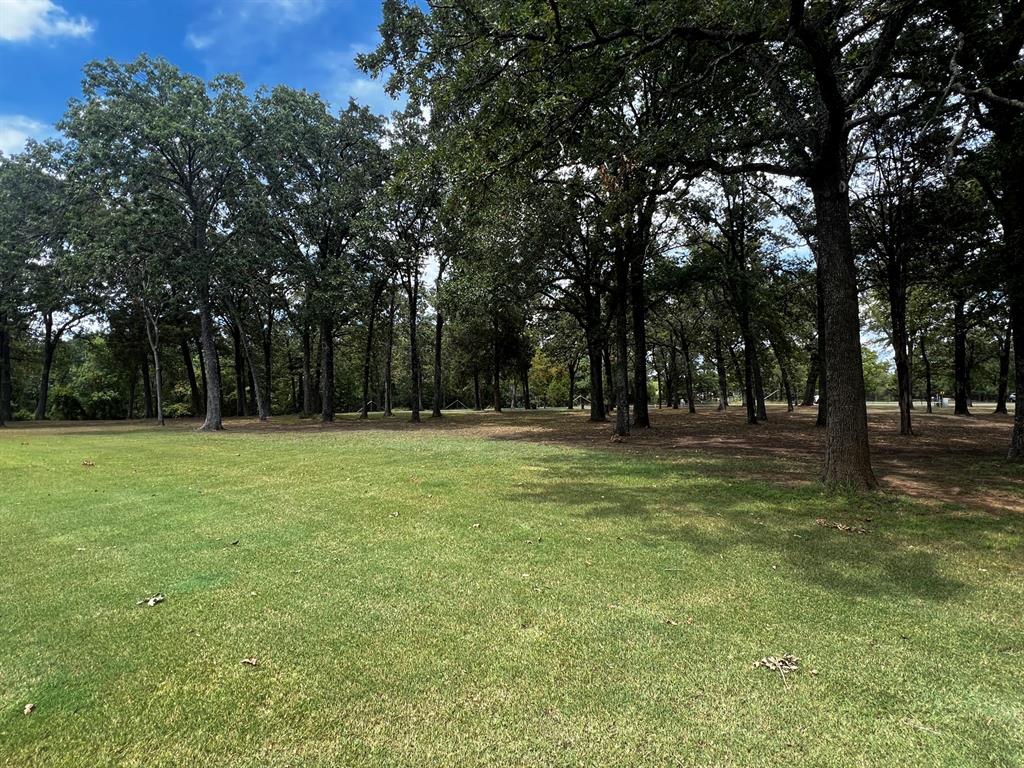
(426, 598)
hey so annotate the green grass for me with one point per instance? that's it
(421, 598)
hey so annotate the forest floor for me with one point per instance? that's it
(508, 589)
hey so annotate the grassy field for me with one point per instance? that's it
(454, 597)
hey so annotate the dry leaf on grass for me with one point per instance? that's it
(29, 709)
(251, 662)
(151, 601)
(782, 664)
(826, 523)
(88, 463)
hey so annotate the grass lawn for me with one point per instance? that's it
(444, 597)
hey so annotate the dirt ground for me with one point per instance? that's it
(950, 460)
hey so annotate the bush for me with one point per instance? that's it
(177, 411)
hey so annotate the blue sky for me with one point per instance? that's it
(303, 43)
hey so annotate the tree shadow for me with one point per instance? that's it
(704, 510)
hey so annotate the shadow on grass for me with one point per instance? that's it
(705, 511)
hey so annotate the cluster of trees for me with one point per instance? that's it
(603, 202)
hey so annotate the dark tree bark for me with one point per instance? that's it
(478, 404)
(762, 412)
(822, 367)
(416, 377)
(672, 374)
(1004, 373)
(621, 345)
(1017, 311)
(327, 368)
(497, 372)
(190, 373)
(211, 362)
(6, 375)
(573, 366)
(812, 379)
(147, 391)
(609, 398)
(364, 412)
(638, 307)
(960, 373)
(847, 455)
(240, 399)
(593, 336)
(389, 384)
(684, 342)
(723, 380)
(927, 375)
(526, 387)
(307, 370)
(50, 340)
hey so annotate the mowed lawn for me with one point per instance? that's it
(442, 598)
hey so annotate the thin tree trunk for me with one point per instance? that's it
(477, 402)
(1004, 373)
(6, 375)
(190, 373)
(784, 373)
(49, 349)
(327, 368)
(812, 379)
(412, 294)
(723, 380)
(147, 389)
(672, 375)
(132, 387)
(497, 373)
(438, 334)
(572, 384)
(364, 412)
(592, 333)
(822, 362)
(240, 396)
(638, 306)
(211, 363)
(927, 375)
(389, 384)
(960, 374)
(307, 370)
(153, 337)
(621, 346)
(685, 343)
(259, 395)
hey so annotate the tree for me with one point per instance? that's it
(147, 128)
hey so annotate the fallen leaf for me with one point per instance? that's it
(88, 463)
(151, 601)
(29, 709)
(252, 661)
(781, 664)
(672, 623)
(826, 523)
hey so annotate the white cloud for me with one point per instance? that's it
(15, 130)
(231, 26)
(347, 81)
(23, 20)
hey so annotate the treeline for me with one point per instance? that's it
(613, 206)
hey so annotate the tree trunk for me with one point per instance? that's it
(685, 342)
(1004, 373)
(364, 412)
(131, 395)
(847, 453)
(6, 375)
(593, 335)
(497, 374)
(621, 346)
(211, 363)
(268, 363)
(572, 383)
(762, 412)
(49, 348)
(1016, 451)
(898, 332)
(412, 292)
(723, 380)
(960, 373)
(259, 395)
(526, 387)
(153, 337)
(147, 389)
(438, 337)
(240, 397)
(784, 373)
(672, 374)
(927, 375)
(307, 370)
(190, 373)
(389, 384)
(812, 379)
(822, 362)
(327, 369)
(477, 402)
(638, 305)
(749, 394)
